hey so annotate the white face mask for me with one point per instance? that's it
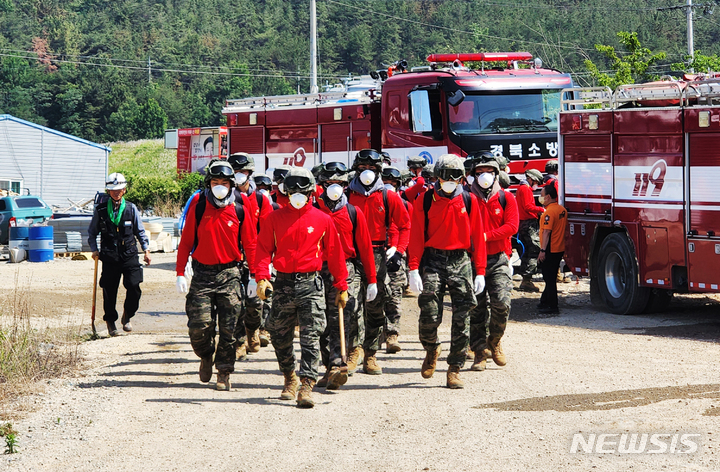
(367, 177)
(240, 178)
(281, 188)
(298, 200)
(410, 184)
(334, 192)
(390, 187)
(470, 179)
(264, 192)
(486, 179)
(448, 186)
(534, 186)
(220, 191)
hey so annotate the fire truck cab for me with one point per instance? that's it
(639, 174)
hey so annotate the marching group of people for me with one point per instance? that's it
(330, 253)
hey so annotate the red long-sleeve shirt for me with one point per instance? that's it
(394, 234)
(374, 210)
(282, 200)
(297, 241)
(500, 225)
(217, 236)
(449, 228)
(349, 241)
(527, 210)
(412, 193)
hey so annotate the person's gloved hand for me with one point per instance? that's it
(479, 284)
(416, 284)
(341, 298)
(252, 288)
(394, 262)
(262, 286)
(181, 284)
(391, 252)
(188, 268)
(372, 292)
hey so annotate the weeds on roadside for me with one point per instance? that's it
(8, 432)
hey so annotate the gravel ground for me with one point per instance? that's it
(138, 403)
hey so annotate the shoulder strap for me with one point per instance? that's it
(387, 211)
(502, 198)
(468, 202)
(352, 213)
(260, 200)
(240, 212)
(427, 202)
(199, 210)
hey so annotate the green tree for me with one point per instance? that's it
(151, 120)
(698, 63)
(628, 69)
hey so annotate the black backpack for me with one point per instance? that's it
(200, 209)
(427, 202)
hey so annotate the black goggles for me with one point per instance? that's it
(297, 183)
(222, 170)
(450, 174)
(389, 173)
(238, 160)
(263, 180)
(334, 168)
(368, 155)
(279, 174)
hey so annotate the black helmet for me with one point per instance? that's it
(551, 166)
(241, 161)
(469, 164)
(369, 157)
(392, 173)
(299, 180)
(219, 169)
(386, 157)
(416, 162)
(279, 173)
(332, 171)
(316, 170)
(262, 179)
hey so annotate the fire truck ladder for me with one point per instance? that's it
(587, 96)
(277, 101)
(649, 91)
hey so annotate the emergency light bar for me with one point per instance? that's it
(481, 56)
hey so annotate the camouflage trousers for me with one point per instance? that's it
(298, 299)
(446, 271)
(353, 316)
(489, 321)
(396, 287)
(530, 238)
(375, 310)
(214, 298)
(251, 316)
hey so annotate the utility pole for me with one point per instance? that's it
(313, 47)
(150, 77)
(690, 40)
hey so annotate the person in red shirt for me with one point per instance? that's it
(381, 209)
(392, 177)
(296, 239)
(217, 242)
(415, 165)
(500, 216)
(446, 244)
(280, 196)
(360, 262)
(247, 331)
(529, 228)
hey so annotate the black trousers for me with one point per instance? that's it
(132, 275)
(549, 268)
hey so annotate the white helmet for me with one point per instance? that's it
(115, 181)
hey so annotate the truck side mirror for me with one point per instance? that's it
(455, 98)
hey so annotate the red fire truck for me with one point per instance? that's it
(508, 106)
(639, 177)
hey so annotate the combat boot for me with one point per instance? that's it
(291, 386)
(223, 381)
(264, 338)
(240, 351)
(353, 358)
(392, 345)
(430, 362)
(338, 377)
(206, 365)
(304, 396)
(527, 285)
(370, 365)
(453, 377)
(125, 321)
(480, 361)
(322, 383)
(112, 329)
(498, 355)
(253, 340)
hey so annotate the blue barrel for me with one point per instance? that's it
(19, 237)
(40, 244)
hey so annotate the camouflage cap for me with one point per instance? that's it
(534, 174)
(449, 161)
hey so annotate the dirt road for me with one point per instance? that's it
(140, 406)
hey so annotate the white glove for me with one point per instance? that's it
(252, 288)
(415, 281)
(391, 252)
(371, 292)
(181, 284)
(479, 284)
(188, 268)
(270, 268)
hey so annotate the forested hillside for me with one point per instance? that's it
(126, 69)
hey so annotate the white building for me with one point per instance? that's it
(59, 168)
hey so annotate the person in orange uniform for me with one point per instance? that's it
(360, 262)
(552, 247)
(528, 231)
(220, 235)
(381, 209)
(447, 245)
(296, 239)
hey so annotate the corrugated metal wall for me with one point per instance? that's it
(54, 166)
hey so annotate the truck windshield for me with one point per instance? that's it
(514, 111)
(29, 203)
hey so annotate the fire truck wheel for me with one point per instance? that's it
(659, 301)
(617, 276)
